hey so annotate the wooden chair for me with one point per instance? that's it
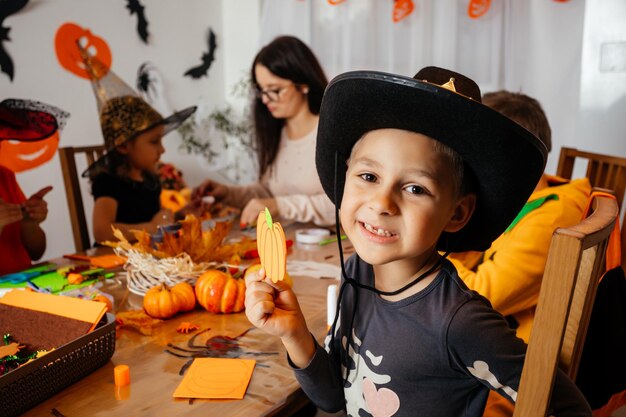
(73, 192)
(603, 171)
(576, 261)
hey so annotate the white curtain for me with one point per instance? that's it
(532, 46)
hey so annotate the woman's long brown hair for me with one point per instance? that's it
(289, 58)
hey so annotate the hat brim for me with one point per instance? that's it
(28, 120)
(506, 160)
(170, 123)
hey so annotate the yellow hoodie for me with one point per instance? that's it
(509, 273)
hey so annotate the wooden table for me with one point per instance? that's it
(273, 390)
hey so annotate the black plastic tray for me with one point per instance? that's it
(36, 381)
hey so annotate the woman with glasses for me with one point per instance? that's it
(289, 83)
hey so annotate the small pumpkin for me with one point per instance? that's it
(162, 302)
(272, 246)
(186, 296)
(219, 292)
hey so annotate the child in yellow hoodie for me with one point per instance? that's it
(509, 273)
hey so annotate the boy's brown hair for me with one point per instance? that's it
(524, 110)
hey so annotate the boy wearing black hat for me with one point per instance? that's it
(417, 166)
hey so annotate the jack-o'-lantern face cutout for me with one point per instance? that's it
(66, 41)
(21, 156)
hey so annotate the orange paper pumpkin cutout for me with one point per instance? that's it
(66, 45)
(478, 8)
(401, 9)
(21, 156)
(272, 246)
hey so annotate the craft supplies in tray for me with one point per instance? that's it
(34, 382)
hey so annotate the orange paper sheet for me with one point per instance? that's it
(102, 261)
(70, 307)
(216, 378)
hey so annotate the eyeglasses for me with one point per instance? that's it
(272, 94)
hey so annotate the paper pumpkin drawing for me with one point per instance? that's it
(216, 378)
(272, 246)
(135, 7)
(8, 8)
(207, 59)
(66, 41)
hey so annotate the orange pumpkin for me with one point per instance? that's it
(186, 296)
(161, 302)
(68, 54)
(21, 156)
(272, 246)
(219, 292)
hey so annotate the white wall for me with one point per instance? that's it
(554, 55)
(602, 122)
(178, 32)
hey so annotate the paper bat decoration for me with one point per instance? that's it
(7, 8)
(134, 7)
(207, 59)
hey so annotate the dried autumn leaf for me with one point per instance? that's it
(200, 245)
(138, 320)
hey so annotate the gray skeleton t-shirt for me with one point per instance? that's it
(435, 353)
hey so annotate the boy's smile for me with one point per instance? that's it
(398, 198)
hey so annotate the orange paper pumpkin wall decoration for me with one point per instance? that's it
(21, 156)
(272, 246)
(477, 8)
(401, 9)
(66, 45)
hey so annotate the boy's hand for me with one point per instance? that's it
(273, 307)
(36, 208)
(9, 213)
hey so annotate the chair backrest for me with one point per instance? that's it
(575, 264)
(80, 230)
(603, 171)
